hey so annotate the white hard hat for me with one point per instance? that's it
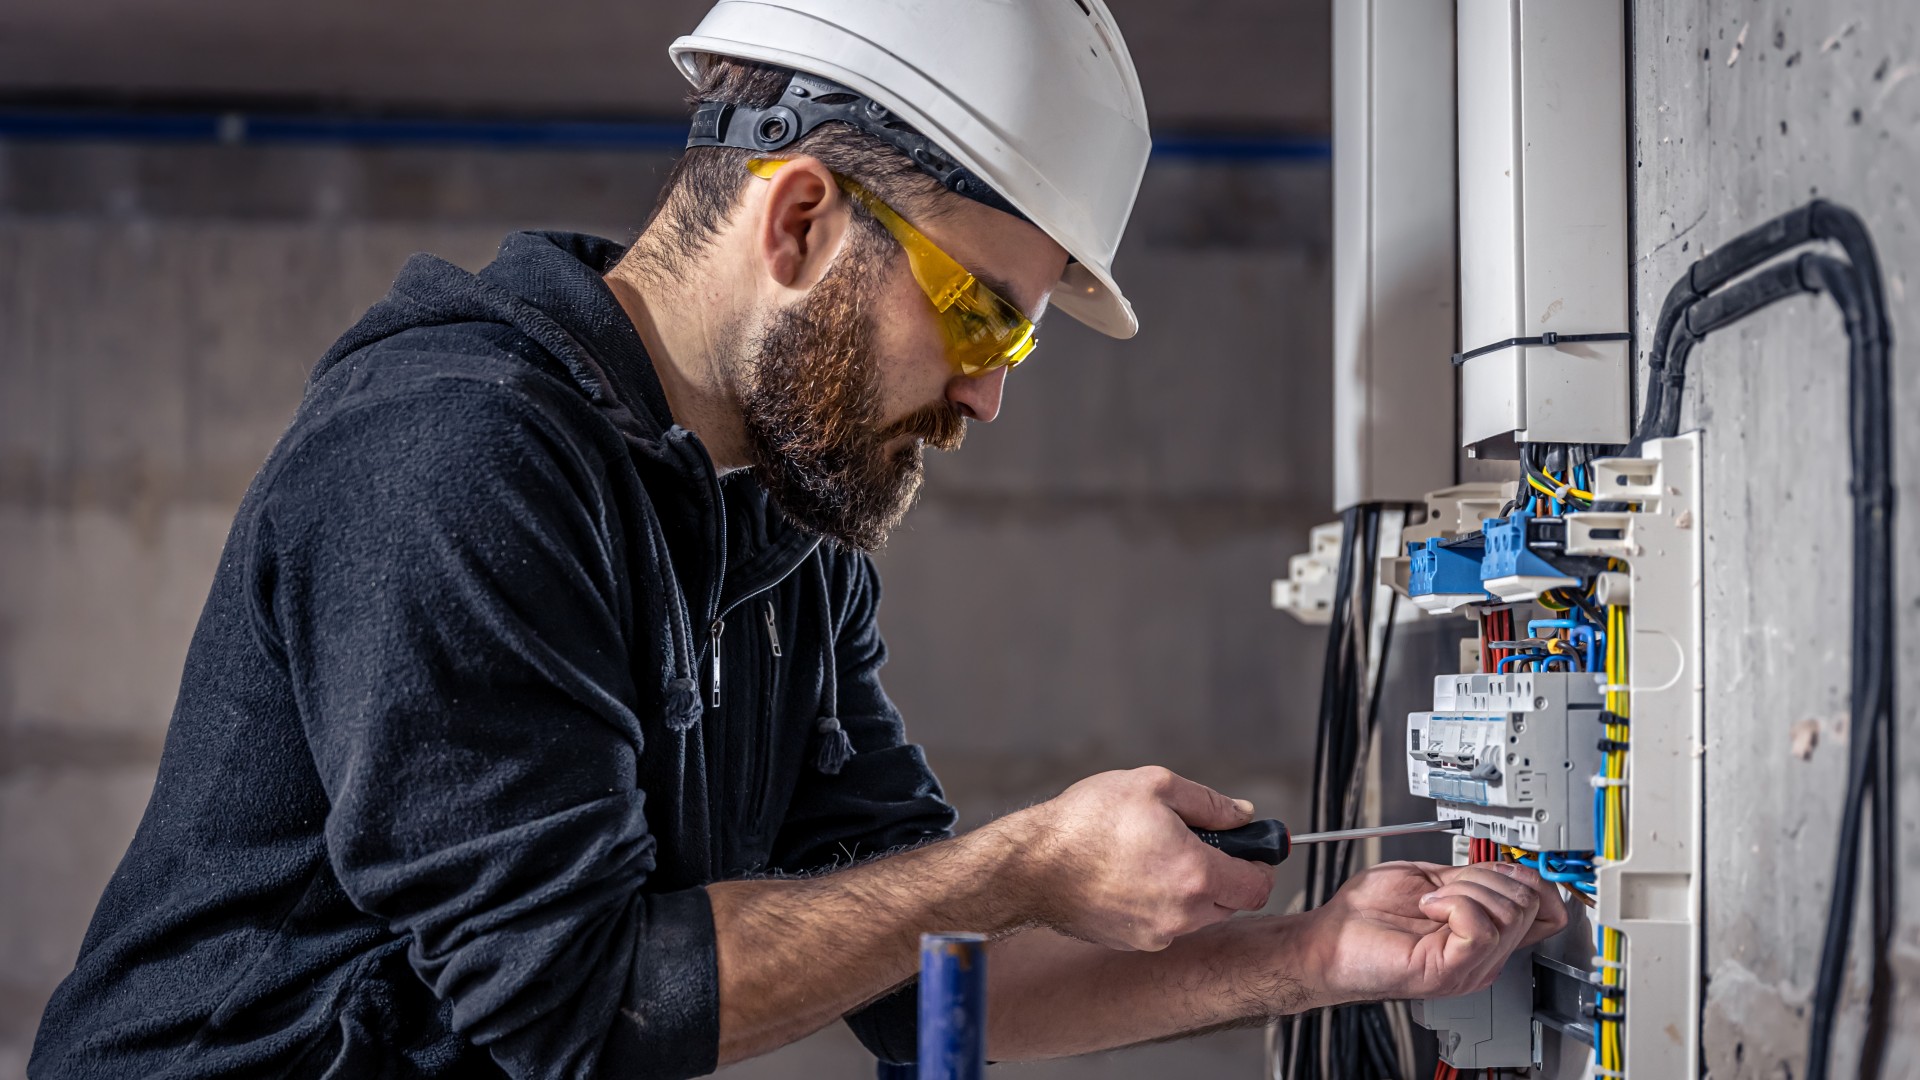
(1036, 97)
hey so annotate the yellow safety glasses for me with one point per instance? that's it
(984, 330)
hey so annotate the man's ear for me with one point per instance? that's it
(802, 223)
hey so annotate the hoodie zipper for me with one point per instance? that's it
(716, 619)
(758, 775)
(773, 634)
(719, 627)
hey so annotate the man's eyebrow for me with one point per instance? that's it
(1006, 292)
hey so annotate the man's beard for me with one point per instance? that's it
(809, 396)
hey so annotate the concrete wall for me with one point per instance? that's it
(1258, 63)
(1744, 109)
(1084, 587)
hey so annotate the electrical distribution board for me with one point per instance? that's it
(1569, 737)
(1575, 750)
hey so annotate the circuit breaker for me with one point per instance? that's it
(1511, 756)
(1487, 1029)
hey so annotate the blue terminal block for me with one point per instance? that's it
(1444, 574)
(1511, 569)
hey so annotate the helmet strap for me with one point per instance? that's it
(800, 109)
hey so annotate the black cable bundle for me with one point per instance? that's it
(1701, 302)
(1354, 1040)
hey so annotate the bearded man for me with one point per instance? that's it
(534, 725)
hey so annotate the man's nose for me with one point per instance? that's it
(978, 396)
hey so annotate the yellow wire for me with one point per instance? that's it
(1554, 492)
(1612, 943)
(1571, 490)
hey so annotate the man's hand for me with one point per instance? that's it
(1114, 862)
(1412, 930)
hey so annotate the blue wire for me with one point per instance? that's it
(1599, 818)
(1585, 635)
(1573, 626)
(1518, 656)
(1565, 878)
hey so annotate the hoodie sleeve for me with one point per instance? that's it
(437, 572)
(884, 797)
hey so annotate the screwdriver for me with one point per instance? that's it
(1268, 841)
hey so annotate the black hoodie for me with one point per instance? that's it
(453, 758)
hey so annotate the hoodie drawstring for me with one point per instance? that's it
(832, 748)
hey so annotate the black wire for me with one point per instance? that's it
(1373, 705)
(1358, 1039)
(1303, 1031)
(1817, 220)
(1873, 630)
(1329, 680)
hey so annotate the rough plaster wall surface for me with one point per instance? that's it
(1744, 109)
(1084, 586)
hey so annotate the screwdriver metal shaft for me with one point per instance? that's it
(1268, 841)
(1377, 830)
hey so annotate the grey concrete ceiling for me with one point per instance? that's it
(1259, 64)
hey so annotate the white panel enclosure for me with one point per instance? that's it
(1393, 249)
(1543, 220)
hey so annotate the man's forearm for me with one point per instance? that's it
(796, 955)
(1110, 860)
(1051, 996)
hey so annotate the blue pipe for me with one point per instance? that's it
(953, 1006)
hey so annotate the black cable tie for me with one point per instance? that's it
(1548, 338)
(1609, 717)
(1609, 746)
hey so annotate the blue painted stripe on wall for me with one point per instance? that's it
(292, 128)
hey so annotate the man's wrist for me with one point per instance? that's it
(1279, 964)
(1012, 863)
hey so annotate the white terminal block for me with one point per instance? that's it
(1306, 592)
(1511, 755)
(1543, 222)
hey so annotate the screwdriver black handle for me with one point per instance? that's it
(1262, 841)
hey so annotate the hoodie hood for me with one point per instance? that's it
(544, 300)
(549, 287)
